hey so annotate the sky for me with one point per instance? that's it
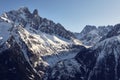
(72, 14)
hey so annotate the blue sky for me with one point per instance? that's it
(72, 14)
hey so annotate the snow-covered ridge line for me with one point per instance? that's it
(90, 35)
(40, 41)
(24, 17)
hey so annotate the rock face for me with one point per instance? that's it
(13, 65)
(114, 32)
(90, 35)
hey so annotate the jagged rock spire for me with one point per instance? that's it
(24, 9)
(35, 12)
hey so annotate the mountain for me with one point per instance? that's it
(25, 18)
(100, 62)
(31, 45)
(90, 35)
(35, 48)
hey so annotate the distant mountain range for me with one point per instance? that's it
(35, 48)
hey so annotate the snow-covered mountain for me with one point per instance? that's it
(100, 62)
(32, 44)
(90, 35)
(35, 48)
(25, 18)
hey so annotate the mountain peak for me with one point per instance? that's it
(24, 17)
(115, 31)
(23, 9)
(35, 12)
(90, 35)
(88, 28)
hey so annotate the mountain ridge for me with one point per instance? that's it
(41, 42)
(35, 48)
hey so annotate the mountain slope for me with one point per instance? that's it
(100, 62)
(36, 43)
(14, 66)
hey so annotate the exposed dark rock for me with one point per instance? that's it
(14, 66)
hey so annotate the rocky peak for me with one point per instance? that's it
(88, 28)
(35, 12)
(90, 35)
(115, 31)
(24, 9)
(103, 30)
(24, 17)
